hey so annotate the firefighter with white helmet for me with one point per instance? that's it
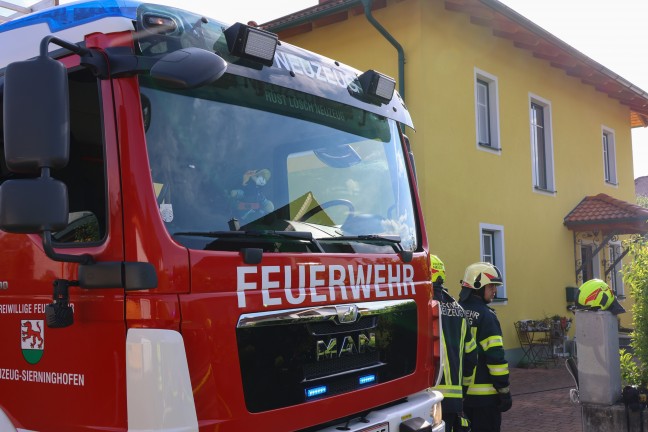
(488, 396)
(459, 348)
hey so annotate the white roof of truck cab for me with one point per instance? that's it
(20, 37)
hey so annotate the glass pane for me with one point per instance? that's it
(243, 155)
(587, 271)
(488, 247)
(85, 173)
(606, 158)
(539, 145)
(483, 118)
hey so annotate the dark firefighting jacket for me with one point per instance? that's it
(459, 348)
(492, 370)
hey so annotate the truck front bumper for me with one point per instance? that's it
(414, 415)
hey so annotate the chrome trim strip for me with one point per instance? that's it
(374, 366)
(319, 313)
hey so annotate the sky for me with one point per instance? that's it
(611, 32)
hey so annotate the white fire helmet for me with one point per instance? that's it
(477, 276)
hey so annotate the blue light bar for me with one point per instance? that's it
(74, 14)
(366, 379)
(316, 391)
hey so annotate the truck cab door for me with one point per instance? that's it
(79, 369)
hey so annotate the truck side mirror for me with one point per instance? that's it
(410, 153)
(36, 135)
(36, 140)
(188, 68)
(32, 206)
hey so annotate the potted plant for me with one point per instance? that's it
(559, 326)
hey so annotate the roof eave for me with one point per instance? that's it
(506, 23)
(636, 100)
(308, 15)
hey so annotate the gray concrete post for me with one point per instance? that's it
(597, 347)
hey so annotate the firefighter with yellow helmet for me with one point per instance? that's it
(459, 350)
(488, 396)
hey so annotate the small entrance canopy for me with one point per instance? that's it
(609, 217)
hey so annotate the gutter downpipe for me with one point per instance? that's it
(401, 66)
(401, 53)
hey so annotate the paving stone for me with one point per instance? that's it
(541, 401)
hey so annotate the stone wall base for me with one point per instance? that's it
(612, 418)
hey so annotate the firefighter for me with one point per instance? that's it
(488, 396)
(459, 349)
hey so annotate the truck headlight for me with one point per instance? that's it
(436, 413)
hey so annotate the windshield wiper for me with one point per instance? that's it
(369, 238)
(255, 234)
(393, 240)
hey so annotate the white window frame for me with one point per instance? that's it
(492, 108)
(608, 141)
(499, 255)
(550, 187)
(616, 277)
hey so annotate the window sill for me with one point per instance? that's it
(546, 191)
(609, 183)
(489, 148)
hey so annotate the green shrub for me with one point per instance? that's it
(630, 374)
(635, 274)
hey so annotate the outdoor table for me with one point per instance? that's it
(536, 342)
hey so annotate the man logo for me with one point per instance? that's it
(348, 345)
(346, 314)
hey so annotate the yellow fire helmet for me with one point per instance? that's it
(477, 276)
(595, 294)
(437, 268)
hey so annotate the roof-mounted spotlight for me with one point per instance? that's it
(377, 86)
(251, 43)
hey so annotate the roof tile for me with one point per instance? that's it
(606, 211)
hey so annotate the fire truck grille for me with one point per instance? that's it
(293, 356)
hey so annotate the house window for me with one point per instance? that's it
(609, 157)
(541, 146)
(486, 111)
(492, 251)
(616, 277)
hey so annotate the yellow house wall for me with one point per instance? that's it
(461, 186)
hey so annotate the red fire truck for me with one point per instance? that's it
(204, 228)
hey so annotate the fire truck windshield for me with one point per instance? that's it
(244, 155)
